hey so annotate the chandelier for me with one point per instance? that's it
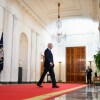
(59, 37)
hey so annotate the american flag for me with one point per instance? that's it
(1, 53)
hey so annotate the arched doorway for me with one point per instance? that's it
(23, 55)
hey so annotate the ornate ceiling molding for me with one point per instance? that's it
(46, 10)
(28, 10)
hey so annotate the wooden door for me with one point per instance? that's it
(75, 64)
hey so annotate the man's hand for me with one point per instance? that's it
(51, 64)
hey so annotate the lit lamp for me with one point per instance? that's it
(42, 63)
(90, 63)
(20, 63)
(60, 72)
(59, 36)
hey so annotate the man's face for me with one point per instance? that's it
(51, 46)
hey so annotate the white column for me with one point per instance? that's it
(14, 58)
(33, 56)
(99, 35)
(8, 27)
(38, 58)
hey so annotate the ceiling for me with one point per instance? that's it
(47, 10)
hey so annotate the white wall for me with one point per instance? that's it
(60, 53)
(80, 32)
(18, 20)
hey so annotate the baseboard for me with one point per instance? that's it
(25, 82)
(17, 82)
(97, 84)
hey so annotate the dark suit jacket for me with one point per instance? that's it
(48, 58)
(89, 72)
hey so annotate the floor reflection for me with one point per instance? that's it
(87, 93)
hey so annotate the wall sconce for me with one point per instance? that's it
(90, 63)
(42, 57)
(60, 72)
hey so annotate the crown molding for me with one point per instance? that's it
(36, 18)
(32, 13)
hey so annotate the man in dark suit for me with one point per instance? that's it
(89, 74)
(48, 67)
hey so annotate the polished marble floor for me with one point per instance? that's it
(87, 93)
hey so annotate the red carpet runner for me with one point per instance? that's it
(25, 91)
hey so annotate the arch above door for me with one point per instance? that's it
(23, 55)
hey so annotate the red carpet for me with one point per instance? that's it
(24, 91)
